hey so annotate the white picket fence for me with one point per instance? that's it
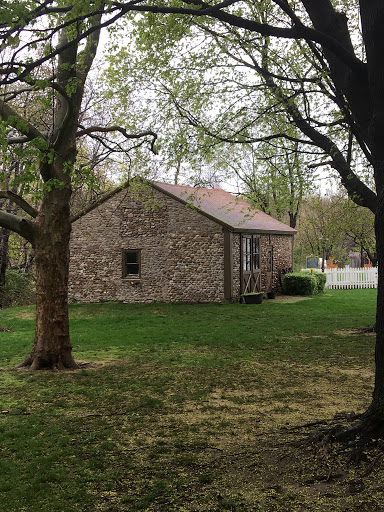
(343, 278)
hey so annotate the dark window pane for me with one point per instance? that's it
(247, 254)
(132, 269)
(256, 253)
(131, 263)
(131, 257)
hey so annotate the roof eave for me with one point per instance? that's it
(264, 231)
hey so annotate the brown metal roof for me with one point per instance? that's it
(225, 209)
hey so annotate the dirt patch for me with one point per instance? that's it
(26, 315)
(290, 298)
(365, 331)
(90, 365)
(362, 373)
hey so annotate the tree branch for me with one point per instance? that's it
(22, 203)
(298, 31)
(194, 122)
(100, 129)
(19, 225)
(320, 164)
(14, 119)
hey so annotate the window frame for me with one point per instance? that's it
(125, 273)
(251, 253)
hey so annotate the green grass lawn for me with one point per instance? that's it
(189, 408)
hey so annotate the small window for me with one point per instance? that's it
(251, 253)
(131, 263)
(256, 253)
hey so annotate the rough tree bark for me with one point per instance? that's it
(4, 250)
(52, 348)
(372, 18)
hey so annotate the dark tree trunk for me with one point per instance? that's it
(377, 406)
(293, 219)
(371, 424)
(29, 259)
(52, 348)
(4, 250)
(372, 15)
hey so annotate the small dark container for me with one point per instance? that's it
(256, 298)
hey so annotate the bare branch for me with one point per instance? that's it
(100, 129)
(17, 121)
(22, 203)
(20, 225)
(320, 164)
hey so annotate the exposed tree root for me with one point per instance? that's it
(359, 437)
(370, 328)
(35, 362)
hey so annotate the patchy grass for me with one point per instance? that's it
(190, 408)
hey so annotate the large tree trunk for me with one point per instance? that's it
(4, 251)
(377, 407)
(372, 16)
(52, 348)
(371, 424)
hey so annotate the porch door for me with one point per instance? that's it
(250, 258)
(269, 268)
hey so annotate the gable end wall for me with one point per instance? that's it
(182, 257)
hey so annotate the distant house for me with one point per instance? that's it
(175, 243)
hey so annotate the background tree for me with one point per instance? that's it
(332, 225)
(359, 229)
(321, 230)
(272, 176)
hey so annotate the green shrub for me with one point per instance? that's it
(19, 289)
(321, 280)
(302, 283)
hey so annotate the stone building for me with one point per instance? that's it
(170, 243)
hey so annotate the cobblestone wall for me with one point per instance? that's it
(282, 247)
(182, 254)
